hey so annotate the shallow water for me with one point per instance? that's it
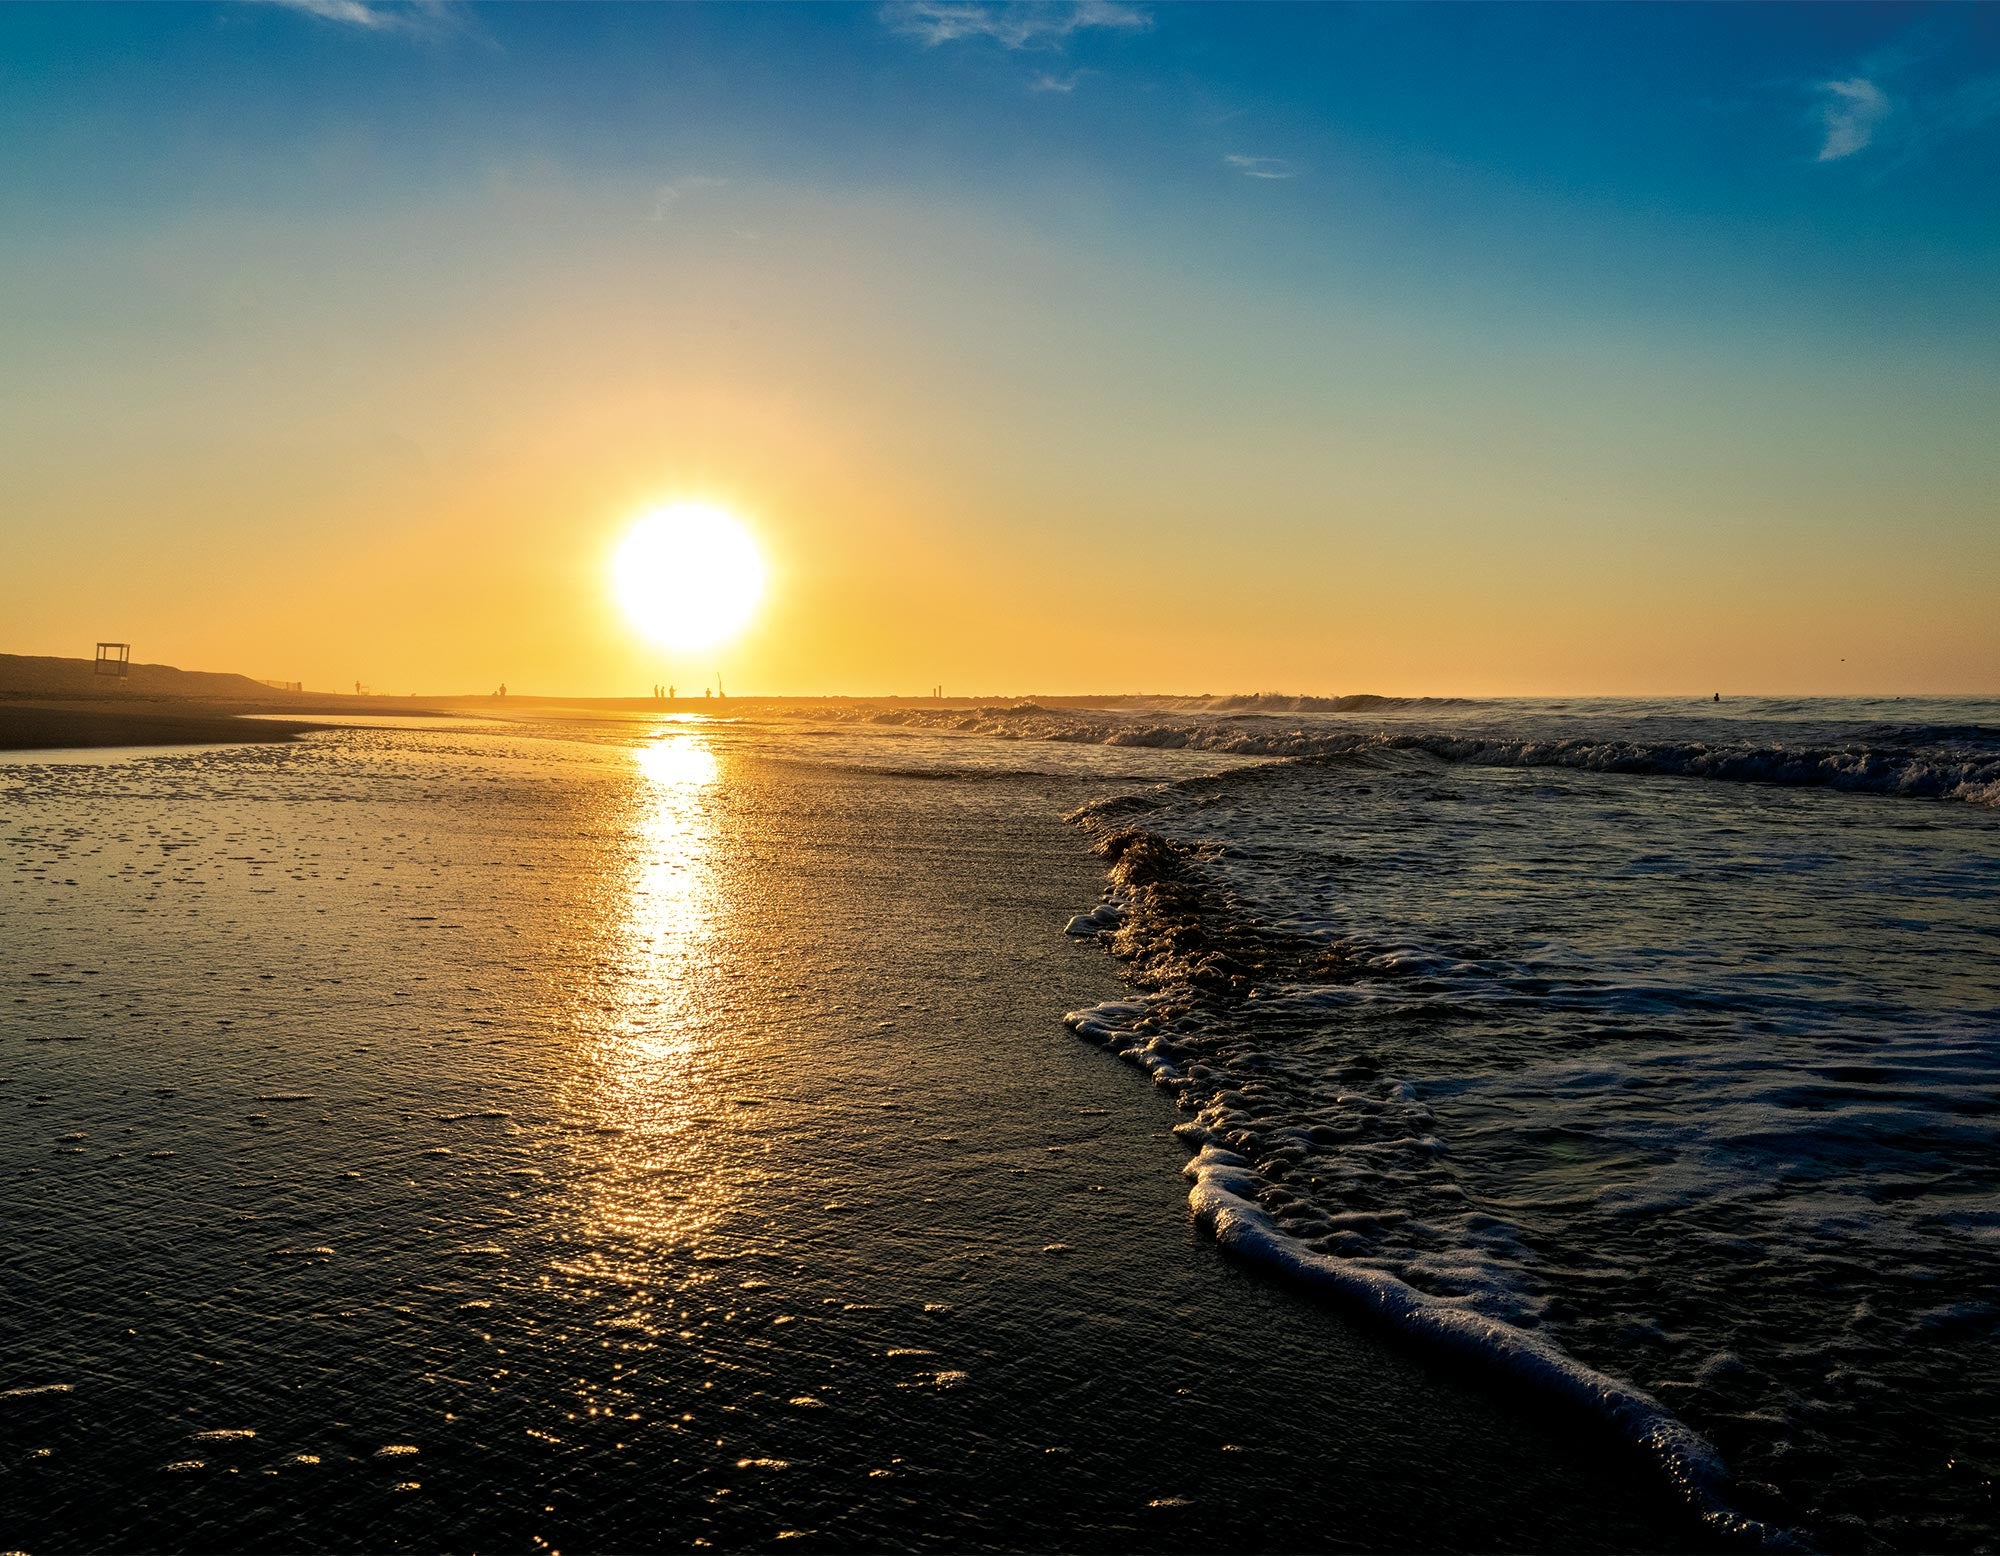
(609, 1136)
(1693, 1079)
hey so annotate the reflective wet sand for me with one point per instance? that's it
(507, 1142)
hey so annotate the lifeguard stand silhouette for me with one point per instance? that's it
(114, 659)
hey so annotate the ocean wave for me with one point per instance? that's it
(1322, 1167)
(1224, 1199)
(1959, 762)
(1911, 772)
(1695, 1090)
(1231, 725)
(1286, 702)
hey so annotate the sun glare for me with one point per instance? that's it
(688, 576)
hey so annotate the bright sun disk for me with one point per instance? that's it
(688, 576)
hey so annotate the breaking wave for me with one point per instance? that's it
(1199, 960)
(1910, 771)
(1949, 762)
(1672, 1105)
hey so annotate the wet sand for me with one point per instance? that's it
(39, 726)
(408, 1145)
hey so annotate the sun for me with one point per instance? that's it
(688, 575)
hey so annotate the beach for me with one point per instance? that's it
(602, 1138)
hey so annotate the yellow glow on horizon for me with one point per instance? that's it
(688, 576)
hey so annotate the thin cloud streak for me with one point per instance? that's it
(415, 16)
(354, 13)
(1015, 26)
(671, 193)
(1262, 167)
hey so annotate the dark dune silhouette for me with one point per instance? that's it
(48, 703)
(32, 675)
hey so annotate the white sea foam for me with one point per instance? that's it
(1224, 1199)
(1225, 1196)
(1674, 1103)
(1104, 916)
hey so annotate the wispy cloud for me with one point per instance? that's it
(1048, 81)
(671, 193)
(1905, 100)
(1029, 24)
(408, 16)
(1851, 111)
(356, 13)
(1262, 167)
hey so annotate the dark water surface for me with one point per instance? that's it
(489, 1141)
(1647, 1053)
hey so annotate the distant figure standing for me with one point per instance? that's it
(1718, 696)
(670, 694)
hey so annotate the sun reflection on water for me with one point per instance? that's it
(670, 904)
(644, 1099)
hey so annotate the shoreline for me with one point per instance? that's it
(794, 1117)
(68, 727)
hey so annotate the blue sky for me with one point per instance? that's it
(1616, 238)
(1818, 147)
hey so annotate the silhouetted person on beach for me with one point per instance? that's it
(1718, 696)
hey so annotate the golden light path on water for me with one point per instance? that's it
(646, 1081)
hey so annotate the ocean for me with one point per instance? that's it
(1571, 1125)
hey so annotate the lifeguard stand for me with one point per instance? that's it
(114, 659)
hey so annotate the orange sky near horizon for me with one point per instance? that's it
(398, 445)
